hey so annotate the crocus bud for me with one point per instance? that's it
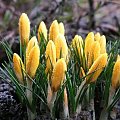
(31, 44)
(77, 44)
(116, 75)
(88, 43)
(42, 30)
(102, 42)
(58, 74)
(18, 67)
(50, 55)
(54, 30)
(97, 67)
(24, 29)
(33, 61)
(61, 28)
(97, 36)
(61, 47)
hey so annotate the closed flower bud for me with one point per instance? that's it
(118, 58)
(102, 42)
(42, 30)
(88, 43)
(24, 29)
(54, 30)
(31, 44)
(18, 67)
(61, 28)
(97, 36)
(61, 47)
(58, 74)
(97, 68)
(50, 55)
(116, 75)
(33, 61)
(77, 44)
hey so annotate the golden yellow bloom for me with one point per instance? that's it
(61, 28)
(54, 30)
(77, 44)
(97, 36)
(31, 44)
(58, 74)
(42, 30)
(116, 75)
(18, 67)
(24, 29)
(61, 47)
(102, 42)
(50, 55)
(88, 43)
(97, 67)
(33, 61)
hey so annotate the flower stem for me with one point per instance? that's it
(31, 115)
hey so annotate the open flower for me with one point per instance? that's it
(18, 67)
(97, 67)
(42, 30)
(24, 29)
(50, 55)
(61, 47)
(116, 74)
(58, 74)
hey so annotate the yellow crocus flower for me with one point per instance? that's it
(61, 47)
(31, 44)
(33, 61)
(18, 67)
(97, 67)
(61, 28)
(50, 55)
(58, 74)
(54, 30)
(116, 75)
(88, 43)
(42, 30)
(102, 42)
(24, 29)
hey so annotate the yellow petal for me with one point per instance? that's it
(97, 36)
(24, 28)
(18, 67)
(31, 44)
(42, 30)
(61, 28)
(88, 43)
(50, 55)
(61, 47)
(97, 67)
(116, 75)
(33, 61)
(102, 42)
(58, 74)
(54, 30)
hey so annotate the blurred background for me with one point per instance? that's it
(79, 17)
